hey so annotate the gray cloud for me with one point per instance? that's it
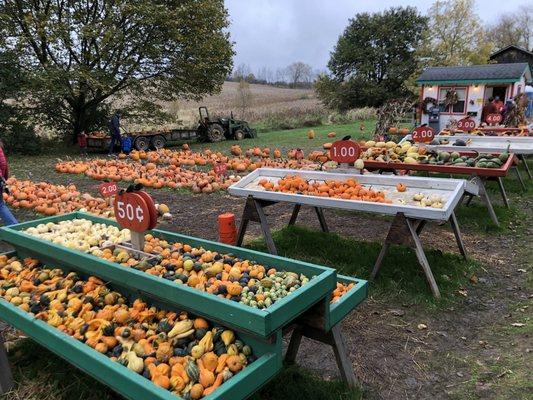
(274, 33)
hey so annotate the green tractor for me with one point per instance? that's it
(216, 130)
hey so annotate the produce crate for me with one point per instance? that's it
(241, 317)
(128, 383)
(450, 189)
(446, 169)
(341, 308)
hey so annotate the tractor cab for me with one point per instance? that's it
(218, 129)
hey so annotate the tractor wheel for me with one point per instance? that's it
(215, 133)
(158, 142)
(142, 143)
(239, 134)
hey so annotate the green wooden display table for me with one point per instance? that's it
(262, 329)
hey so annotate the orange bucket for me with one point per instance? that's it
(227, 231)
(226, 223)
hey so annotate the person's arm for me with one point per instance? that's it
(4, 170)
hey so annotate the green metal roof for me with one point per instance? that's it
(490, 73)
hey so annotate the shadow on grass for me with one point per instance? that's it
(295, 383)
(42, 375)
(401, 278)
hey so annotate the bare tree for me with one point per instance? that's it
(513, 29)
(299, 72)
(265, 74)
(242, 71)
(244, 98)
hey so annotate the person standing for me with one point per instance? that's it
(114, 130)
(498, 103)
(488, 108)
(5, 214)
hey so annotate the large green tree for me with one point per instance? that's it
(80, 53)
(372, 59)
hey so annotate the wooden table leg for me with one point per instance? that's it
(295, 212)
(334, 339)
(379, 261)
(469, 199)
(422, 259)
(341, 355)
(524, 160)
(244, 223)
(321, 219)
(502, 191)
(519, 176)
(6, 377)
(294, 345)
(265, 228)
(457, 234)
(484, 196)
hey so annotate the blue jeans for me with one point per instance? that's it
(5, 214)
(114, 139)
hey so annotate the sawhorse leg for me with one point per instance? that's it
(405, 231)
(519, 176)
(484, 196)
(6, 377)
(457, 234)
(334, 339)
(524, 160)
(319, 213)
(254, 211)
(502, 191)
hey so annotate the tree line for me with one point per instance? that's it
(295, 75)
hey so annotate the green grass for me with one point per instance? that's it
(401, 278)
(43, 375)
(296, 138)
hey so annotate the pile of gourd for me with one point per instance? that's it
(186, 355)
(49, 199)
(393, 152)
(473, 160)
(224, 275)
(80, 234)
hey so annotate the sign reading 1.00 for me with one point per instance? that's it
(423, 134)
(132, 212)
(344, 151)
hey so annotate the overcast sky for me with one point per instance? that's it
(275, 33)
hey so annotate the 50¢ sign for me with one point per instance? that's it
(132, 211)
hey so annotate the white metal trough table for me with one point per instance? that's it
(405, 228)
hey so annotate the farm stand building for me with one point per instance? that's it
(473, 85)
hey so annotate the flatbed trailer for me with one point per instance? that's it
(156, 139)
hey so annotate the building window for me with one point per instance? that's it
(457, 108)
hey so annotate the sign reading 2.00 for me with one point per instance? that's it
(344, 151)
(423, 134)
